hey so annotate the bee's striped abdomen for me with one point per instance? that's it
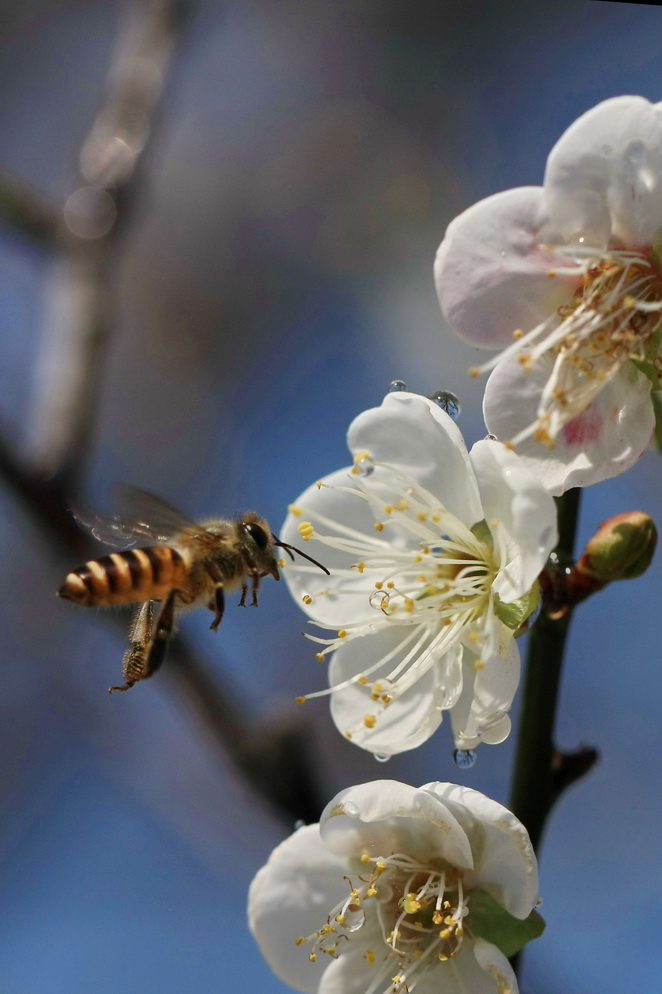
(122, 577)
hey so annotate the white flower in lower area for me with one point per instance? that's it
(566, 279)
(434, 554)
(405, 889)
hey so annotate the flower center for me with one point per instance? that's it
(433, 577)
(611, 319)
(414, 915)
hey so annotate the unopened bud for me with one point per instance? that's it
(621, 549)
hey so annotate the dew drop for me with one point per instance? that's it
(353, 919)
(349, 808)
(491, 438)
(397, 386)
(365, 466)
(447, 401)
(464, 759)
(379, 599)
(494, 729)
(381, 758)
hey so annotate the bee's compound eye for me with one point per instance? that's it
(257, 533)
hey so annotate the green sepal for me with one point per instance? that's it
(489, 921)
(515, 613)
(647, 364)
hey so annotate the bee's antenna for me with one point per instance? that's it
(290, 549)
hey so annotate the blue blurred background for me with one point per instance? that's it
(274, 277)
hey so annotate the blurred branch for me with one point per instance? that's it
(80, 315)
(86, 235)
(28, 211)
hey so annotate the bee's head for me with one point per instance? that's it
(259, 542)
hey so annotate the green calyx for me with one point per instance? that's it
(489, 921)
(514, 613)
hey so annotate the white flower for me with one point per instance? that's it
(567, 280)
(393, 892)
(431, 549)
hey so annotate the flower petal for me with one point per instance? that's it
(492, 268)
(288, 897)
(343, 597)
(385, 816)
(351, 973)
(481, 714)
(410, 719)
(414, 435)
(505, 863)
(495, 964)
(605, 440)
(514, 497)
(604, 175)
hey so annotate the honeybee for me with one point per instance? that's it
(188, 565)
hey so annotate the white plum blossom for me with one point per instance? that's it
(566, 279)
(434, 554)
(394, 892)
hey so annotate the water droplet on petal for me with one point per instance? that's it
(353, 919)
(397, 386)
(464, 759)
(365, 466)
(381, 758)
(447, 401)
(494, 729)
(379, 599)
(350, 809)
(491, 438)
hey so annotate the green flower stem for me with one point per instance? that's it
(534, 789)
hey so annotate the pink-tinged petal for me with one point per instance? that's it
(385, 816)
(481, 713)
(505, 864)
(413, 435)
(291, 896)
(410, 719)
(343, 596)
(604, 175)
(604, 441)
(496, 966)
(493, 267)
(515, 498)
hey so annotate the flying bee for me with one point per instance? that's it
(188, 565)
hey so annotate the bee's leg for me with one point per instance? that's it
(140, 636)
(218, 606)
(244, 591)
(148, 650)
(256, 587)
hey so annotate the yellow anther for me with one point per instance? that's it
(359, 567)
(629, 300)
(369, 955)
(397, 979)
(391, 584)
(379, 527)
(307, 599)
(418, 924)
(380, 867)
(402, 505)
(479, 664)
(306, 530)
(474, 370)
(431, 589)
(369, 720)
(444, 934)
(473, 636)
(388, 508)
(330, 950)
(436, 518)
(319, 656)
(437, 918)
(377, 687)
(363, 454)
(426, 550)
(282, 563)
(371, 892)
(326, 929)
(340, 919)
(362, 679)
(300, 941)
(411, 904)
(295, 510)
(409, 605)
(365, 858)
(443, 957)
(348, 735)
(299, 700)
(387, 698)
(312, 957)
(518, 333)
(319, 484)
(422, 578)
(342, 633)
(379, 585)
(422, 515)
(418, 559)
(448, 621)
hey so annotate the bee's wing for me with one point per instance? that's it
(142, 515)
